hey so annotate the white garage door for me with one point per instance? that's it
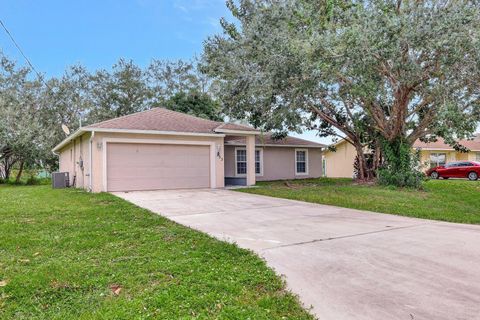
(134, 166)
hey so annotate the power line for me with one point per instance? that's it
(39, 75)
(30, 64)
(23, 54)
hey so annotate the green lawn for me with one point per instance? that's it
(68, 254)
(446, 200)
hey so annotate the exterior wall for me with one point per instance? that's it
(278, 163)
(474, 156)
(66, 160)
(250, 149)
(99, 145)
(339, 163)
(462, 156)
(70, 158)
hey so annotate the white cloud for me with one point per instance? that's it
(188, 6)
(214, 22)
(180, 7)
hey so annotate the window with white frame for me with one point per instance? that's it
(301, 161)
(437, 159)
(241, 162)
(258, 162)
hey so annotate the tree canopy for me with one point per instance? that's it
(373, 70)
(23, 138)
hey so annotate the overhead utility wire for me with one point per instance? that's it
(23, 54)
(28, 60)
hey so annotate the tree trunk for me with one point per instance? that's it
(397, 153)
(6, 172)
(7, 168)
(20, 171)
(400, 165)
(378, 156)
(362, 163)
(7, 162)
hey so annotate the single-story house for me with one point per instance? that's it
(164, 149)
(438, 153)
(339, 163)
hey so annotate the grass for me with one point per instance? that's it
(68, 254)
(27, 181)
(452, 200)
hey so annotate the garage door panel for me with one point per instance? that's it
(156, 166)
(172, 161)
(136, 184)
(141, 173)
(160, 166)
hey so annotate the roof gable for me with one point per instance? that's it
(161, 119)
(473, 144)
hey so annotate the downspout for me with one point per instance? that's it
(91, 160)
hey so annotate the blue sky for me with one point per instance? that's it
(57, 34)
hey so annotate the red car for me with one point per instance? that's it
(460, 169)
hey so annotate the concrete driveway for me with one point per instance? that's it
(346, 264)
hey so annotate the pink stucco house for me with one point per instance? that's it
(163, 149)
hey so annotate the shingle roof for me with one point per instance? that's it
(267, 139)
(161, 119)
(234, 126)
(440, 144)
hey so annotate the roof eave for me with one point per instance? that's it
(160, 132)
(279, 145)
(442, 149)
(79, 132)
(68, 139)
(238, 132)
(339, 142)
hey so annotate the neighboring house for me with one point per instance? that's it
(438, 153)
(164, 149)
(340, 163)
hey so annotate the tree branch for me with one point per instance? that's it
(425, 102)
(420, 130)
(327, 118)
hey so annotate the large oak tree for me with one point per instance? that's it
(374, 70)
